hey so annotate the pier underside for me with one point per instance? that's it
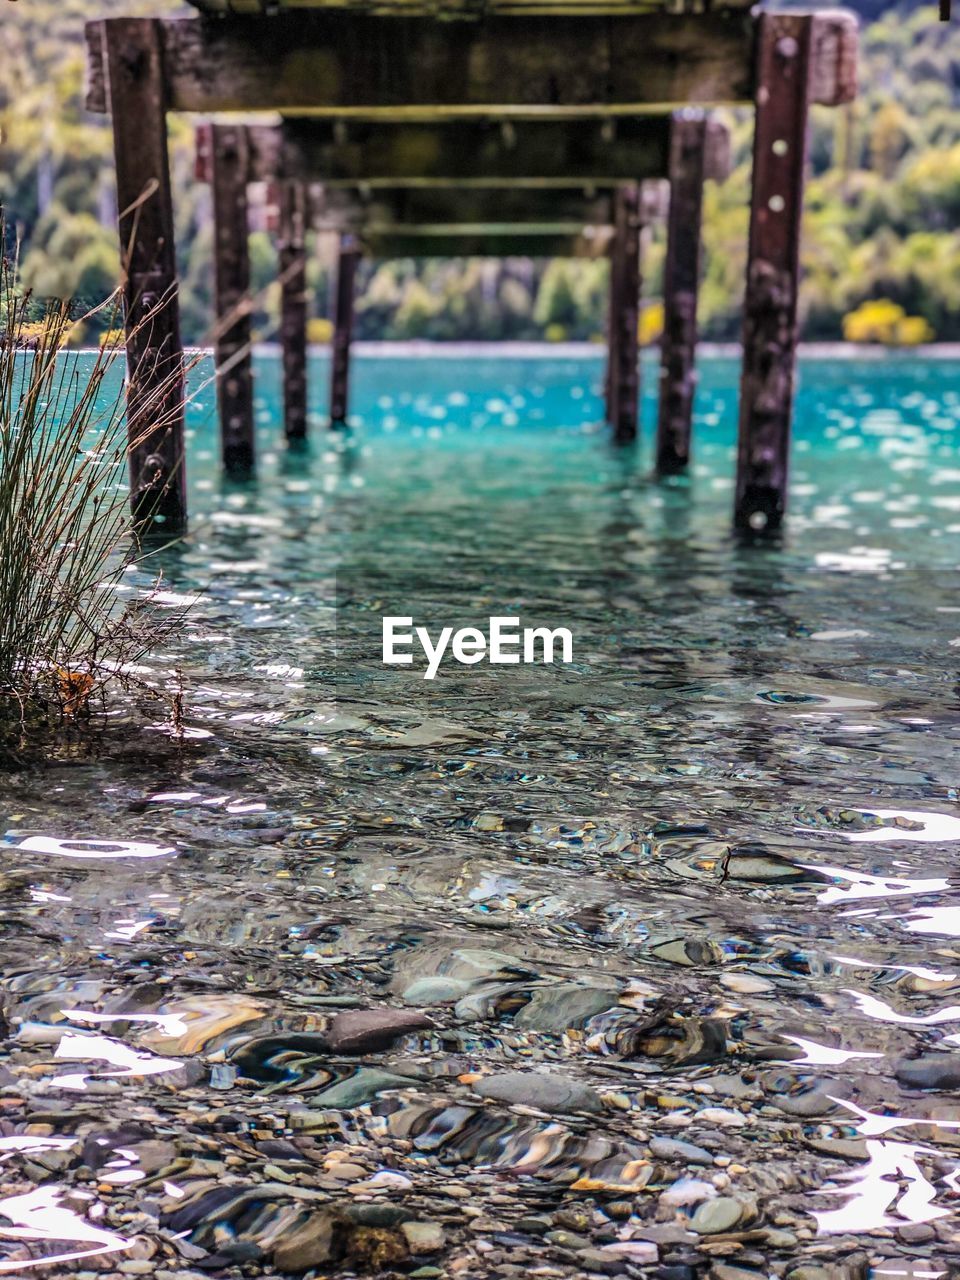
(561, 112)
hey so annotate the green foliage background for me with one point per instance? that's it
(883, 204)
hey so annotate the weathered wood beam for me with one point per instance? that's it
(522, 155)
(482, 213)
(623, 396)
(336, 63)
(681, 287)
(832, 57)
(470, 9)
(651, 207)
(773, 266)
(614, 291)
(352, 61)
(528, 154)
(490, 230)
(232, 354)
(345, 288)
(497, 243)
(292, 256)
(357, 209)
(134, 79)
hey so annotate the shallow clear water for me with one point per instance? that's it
(706, 872)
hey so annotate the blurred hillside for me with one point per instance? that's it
(882, 212)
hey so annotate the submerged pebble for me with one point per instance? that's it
(369, 1030)
(361, 1087)
(687, 1191)
(676, 1149)
(319, 1240)
(715, 1216)
(940, 1071)
(548, 1092)
(424, 1237)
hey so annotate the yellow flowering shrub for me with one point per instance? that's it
(650, 326)
(883, 321)
(319, 330)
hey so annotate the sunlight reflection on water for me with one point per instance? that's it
(40, 1215)
(93, 1048)
(95, 849)
(874, 1189)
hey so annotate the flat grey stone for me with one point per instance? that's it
(915, 1232)
(369, 1030)
(933, 1071)
(318, 1240)
(677, 1149)
(424, 1237)
(713, 1217)
(358, 1089)
(568, 1004)
(601, 1263)
(539, 1089)
(438, 990)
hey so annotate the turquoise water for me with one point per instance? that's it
(703, 877)
(891, 420)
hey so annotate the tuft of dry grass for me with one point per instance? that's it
(66, 533)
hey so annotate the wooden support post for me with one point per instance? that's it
(347, 263)
(228, 148)
(623, 399)
(613, 308)
(770, 308)
(681, 284)
(155, 392)
(293, 307)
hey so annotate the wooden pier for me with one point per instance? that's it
(410, 123)
(539, 218)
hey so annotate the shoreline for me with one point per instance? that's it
(422, 350)
(584, 350)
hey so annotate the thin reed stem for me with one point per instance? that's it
(66, 533)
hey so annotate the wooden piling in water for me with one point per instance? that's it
(343, 303)
(681, 284)
(155, 401)
(623, 390)
(770, 307)
(293, 307)
(613, 305)
(228, 151)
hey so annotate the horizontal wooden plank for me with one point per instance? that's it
(467, 153)
(461, 8)
(349, 208)
(403, 243)
(355, 207)
(493, 230)
(497, 212)
(342, 62)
